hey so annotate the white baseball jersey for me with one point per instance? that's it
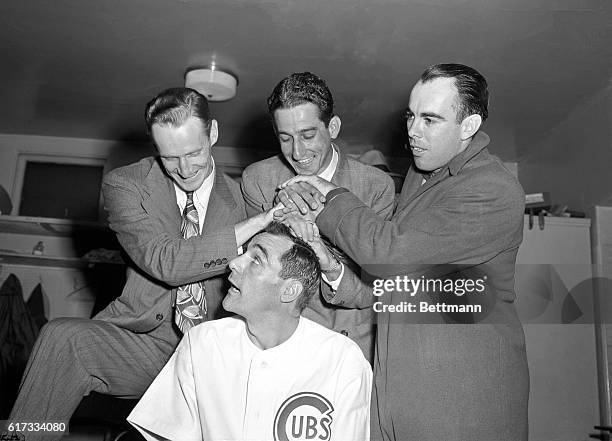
(219, 386)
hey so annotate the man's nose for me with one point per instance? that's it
(414, 128)
(234, 264)
(184, 167)
(298, 150)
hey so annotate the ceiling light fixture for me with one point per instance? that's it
(214, 84)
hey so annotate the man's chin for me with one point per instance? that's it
(303, 172)
(422, 167)
(228, 304)
(189, 185)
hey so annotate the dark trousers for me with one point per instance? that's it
(73, 357)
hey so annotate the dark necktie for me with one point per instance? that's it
(190, 298)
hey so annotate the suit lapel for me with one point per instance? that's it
(221, 206)
(412, 187)
(161, 200)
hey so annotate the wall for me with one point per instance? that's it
(115, 153)
(574, 161)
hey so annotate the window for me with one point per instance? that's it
(63, 187)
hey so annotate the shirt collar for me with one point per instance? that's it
(329, 171)
(282, 349)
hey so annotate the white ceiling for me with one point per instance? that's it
(82, 68)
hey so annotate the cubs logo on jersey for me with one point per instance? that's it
(304, 416)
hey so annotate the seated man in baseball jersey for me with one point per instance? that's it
(266, 373)
(302, 110)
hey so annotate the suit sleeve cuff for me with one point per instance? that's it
(333, 193)
(334, 284)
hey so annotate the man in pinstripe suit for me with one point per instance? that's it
(123, 348)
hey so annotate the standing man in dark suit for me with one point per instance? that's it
(441, 375)
(152, 204)
(302, 110)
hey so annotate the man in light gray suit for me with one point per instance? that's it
(452, 373)
(302, 109)
(123, 348)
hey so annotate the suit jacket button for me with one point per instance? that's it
(159, 317)
(219, 262)
(344, 332)
(224, 260)
(206, 265)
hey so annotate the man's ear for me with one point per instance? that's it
(469, 126)
(213, 133)
(291, 291)
(334, 126)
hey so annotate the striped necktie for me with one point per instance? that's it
(190, 298)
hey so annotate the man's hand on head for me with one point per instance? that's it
(270, 215)
(307, 230)
(301, 227)
(249, 227)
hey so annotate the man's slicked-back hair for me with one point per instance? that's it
(299, 263)
(471, 87)
(302, 88)
(174, 106)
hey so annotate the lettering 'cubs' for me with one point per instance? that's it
(304, 416)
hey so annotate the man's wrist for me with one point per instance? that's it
(333, 278)
(334, 266)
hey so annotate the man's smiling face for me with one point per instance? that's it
(185, 151)
(304, 139)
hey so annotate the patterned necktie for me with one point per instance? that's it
(190, 298)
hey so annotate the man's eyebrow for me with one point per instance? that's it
(409, 112)
(431, 115)
(307, 129)
(263, 250)
(199, 149)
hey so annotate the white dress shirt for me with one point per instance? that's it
(200, 197)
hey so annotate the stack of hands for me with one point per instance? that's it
(299, 201)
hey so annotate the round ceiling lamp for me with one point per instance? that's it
(214, 84)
